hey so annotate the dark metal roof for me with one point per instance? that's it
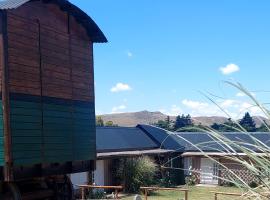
(117, 139)
(143, 137)
(208, 144)
(166, 139)
(91, 27)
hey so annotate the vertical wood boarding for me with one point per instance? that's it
(52, 86)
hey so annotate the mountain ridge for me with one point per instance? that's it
(130, 119)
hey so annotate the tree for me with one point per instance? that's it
(165, 124)
(248, 123)
(182, 121)
(264, 127)
(99, 121)
(162, 124)
(178, 123)
(229, 126)
(110, 123)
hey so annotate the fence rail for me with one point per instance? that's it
(146, 189)
(83, 187)
(265, 195)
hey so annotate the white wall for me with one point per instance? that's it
(79, 179)
(187, 165)
(99, 175)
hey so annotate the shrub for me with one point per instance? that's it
(190, 180)
(136, 172)
(96, 194)
(253, 184)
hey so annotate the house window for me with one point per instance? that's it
(215, 171)
(187, 165)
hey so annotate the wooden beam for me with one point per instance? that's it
(8, 172)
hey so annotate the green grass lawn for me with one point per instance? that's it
(195, 193)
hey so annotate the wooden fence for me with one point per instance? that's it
(84, 187)
(147, 189)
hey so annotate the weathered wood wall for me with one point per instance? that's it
(2, 159)
(51, 86)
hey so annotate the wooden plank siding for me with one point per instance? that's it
(2, 61)
(2, 160)
(51, 83)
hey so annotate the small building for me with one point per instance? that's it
(188, 153)
(114, 143)
(202, 151)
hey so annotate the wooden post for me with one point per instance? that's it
(8, 172)
(145, 194)
(116, 194)
(215, 196)
(83, 195)
(186, 195)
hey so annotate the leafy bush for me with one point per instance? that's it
(253, 184)
(165, 181)
(190, 180)
(96, 194)
(136, 172)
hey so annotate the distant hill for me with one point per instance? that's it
(145, 117)
(134, 118)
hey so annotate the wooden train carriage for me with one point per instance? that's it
(47, 89)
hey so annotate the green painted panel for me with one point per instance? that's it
(26, 126)
(51, 132)
(25, 154)
(58, 152)
(25, 104)
(26, 140)
(79, 116)
(27, 147)
(26, 118)
(27, 161)
(25, 111)
(58, 140)
(83, 110)
(57, 126)
(58, 120)
(26, 133)
(51, 113)
(57, 132)
(61, 108)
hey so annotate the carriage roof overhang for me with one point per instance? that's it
(91, 27)
(149, 152)
(219, 154)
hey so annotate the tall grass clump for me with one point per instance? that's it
(257, 152)
(136, 172)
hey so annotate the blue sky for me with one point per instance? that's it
(162, 53)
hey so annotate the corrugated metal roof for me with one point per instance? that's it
(10, 4)
(191, 141)
(166, 139)
(117, 139)
(91, 27)
(208, 144)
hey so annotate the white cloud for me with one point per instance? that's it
(173, 111)
(241, 94)
(234, 108)
(194, 104)
(227, 103)
(198, 108)
(129, 54)
(118, 109)
(230, 68)
(119, 87)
